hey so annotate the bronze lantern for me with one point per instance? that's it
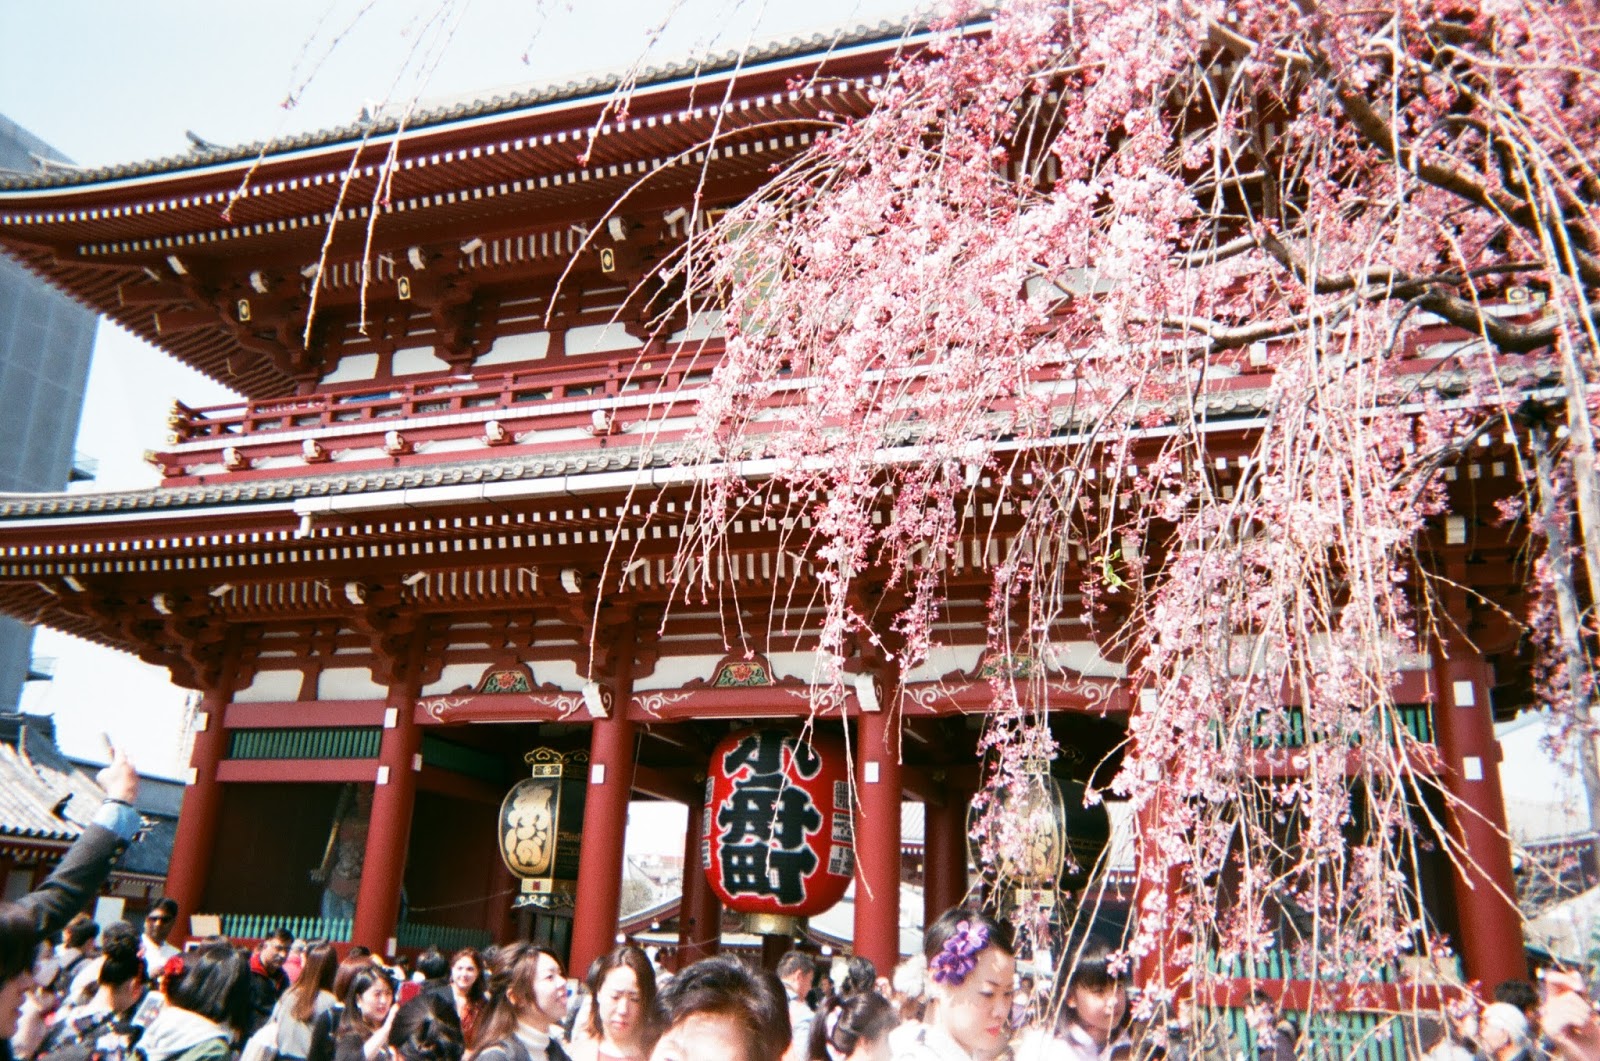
(541, 824)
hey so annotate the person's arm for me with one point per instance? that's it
(377, 1044)
(88, 861)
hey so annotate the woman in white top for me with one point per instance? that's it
(971, 981)
(1089, 1008)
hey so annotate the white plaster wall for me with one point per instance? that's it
(453, 677)
(707, 324)
(1085, 658)
(349, 683)
(415, 359)
(797, 665)
(673, 672)
(354, 367)
(270, 686)
(599, 339)
(509, 349)
(942, 659)
(562, 673)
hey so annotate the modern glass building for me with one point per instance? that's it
(46, 340)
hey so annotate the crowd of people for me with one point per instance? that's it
(72, 991)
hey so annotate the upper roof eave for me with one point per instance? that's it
(862, 40)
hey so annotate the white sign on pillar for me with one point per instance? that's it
(1465, 695)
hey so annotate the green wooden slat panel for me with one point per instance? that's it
(1355, 1035)
(256, 926)
(344, 742)
(446, 937)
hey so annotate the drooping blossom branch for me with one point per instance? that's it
(1144, 305)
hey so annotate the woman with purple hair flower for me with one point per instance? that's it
(971, 979)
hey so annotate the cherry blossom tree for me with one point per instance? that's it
(1022, 286)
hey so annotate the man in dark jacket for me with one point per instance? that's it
(77, 879)
(268, 981)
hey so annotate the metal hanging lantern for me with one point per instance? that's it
(541, 825)
(1029, 837)
(778, 837)
(1045, 839)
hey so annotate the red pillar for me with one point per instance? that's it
(1491, 928)
(878, 786)
(605, 820)
(202, 803)
(393, 798)
(699, 914)
(944, 854)
(1155, 897)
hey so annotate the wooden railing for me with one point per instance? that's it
(377, 404)
(383, 421)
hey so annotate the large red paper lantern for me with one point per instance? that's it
(778, 837)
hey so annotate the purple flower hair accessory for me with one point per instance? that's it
(959, 955)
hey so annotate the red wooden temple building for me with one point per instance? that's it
(390, 568)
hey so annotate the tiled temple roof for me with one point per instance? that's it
(595, 86)
(43, 795)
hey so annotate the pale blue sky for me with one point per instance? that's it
(109, 81)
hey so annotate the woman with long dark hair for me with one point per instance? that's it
(623, 987)
(208, 1007)
(527, 997)
(468, 992)
(309, 997)
(363, 1029)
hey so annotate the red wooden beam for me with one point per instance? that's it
(282, 771)
(771, 701)
(170, 322)
(926, 699)
(153, 294)
(501, 707)
(300, 714)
